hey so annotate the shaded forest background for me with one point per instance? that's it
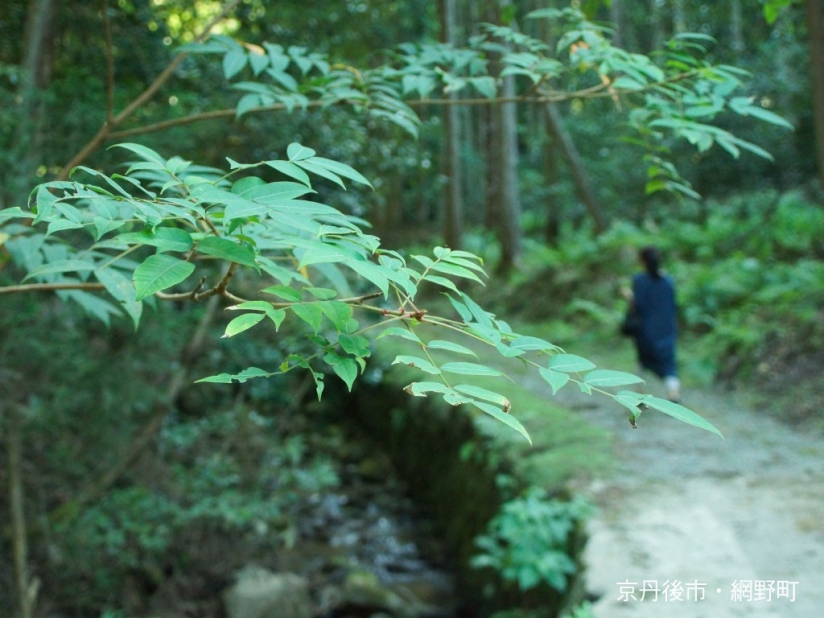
(554, 199)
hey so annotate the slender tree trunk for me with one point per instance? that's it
(679, 17)
(737, 27)
(815, 41)
(576, 166)
(33, 79)
(509, 198)
(24, 588)
(616, 16)
(552, 227)
(451, 159)
(656, 20)
(503, 207)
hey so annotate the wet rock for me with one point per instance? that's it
(364, 594)
(259, 593)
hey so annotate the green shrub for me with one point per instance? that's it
(527, 542)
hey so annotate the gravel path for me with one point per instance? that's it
(693, 526)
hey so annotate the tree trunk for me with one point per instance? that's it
(451, 158)
(503, 206)
(679, 17)
(737, 28)
(509, 198)
(24, 588)
(657, 26)
(815, 38)
(616, 16)
(576, 166)
(34, 77)
(552, 227)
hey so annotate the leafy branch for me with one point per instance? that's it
(671, 94)
(165, 222)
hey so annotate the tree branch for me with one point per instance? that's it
(108, 125)
(49, 287)
(594, 92)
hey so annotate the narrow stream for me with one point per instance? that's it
(368, 550)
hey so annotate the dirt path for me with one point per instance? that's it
(737, 526)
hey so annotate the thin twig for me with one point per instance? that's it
(49, 287)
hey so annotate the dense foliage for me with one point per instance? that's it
(652, 113)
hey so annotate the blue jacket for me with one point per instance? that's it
(655, 342)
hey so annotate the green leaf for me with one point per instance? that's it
(555, 379)
(345, 368)
(372, 273)
(288, 168)
(147, 154)
(339, 313)
(340, 169)
(439, 344)
(442, 281)
(607, 377)
(481, 393)
(396, 331)
(321, 293)
(246, 374)
(283, 291)
(122, 290)
(62, 224)
(569, 363)
(470, 369)
(296, 152)
(225, 249)
(159, 272)
(420, 389)
(681, 413)
(311, 313)
(456, 271)
(258, 62)
(355, 345)
(321, 171)
(247, 183)
(276, 192)
(485, 85)
(505, 418)
(233, 62)
(527, 343)
(242, 323)
(417, 363)
(456, 399)
(61, 266)
(164, 238)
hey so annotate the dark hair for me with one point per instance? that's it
(651, 258)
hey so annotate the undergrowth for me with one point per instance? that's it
(749, 274)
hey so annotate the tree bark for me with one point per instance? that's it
(679, 17)
(815, 41)
(24, 588)
(34, 76)
(576, 166)
(737, 28)
(451, 159)
(510, 195)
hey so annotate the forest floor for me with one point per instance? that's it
(690, 525)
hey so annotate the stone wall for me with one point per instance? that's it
(451, 471)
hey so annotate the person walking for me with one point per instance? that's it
(655, 331)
